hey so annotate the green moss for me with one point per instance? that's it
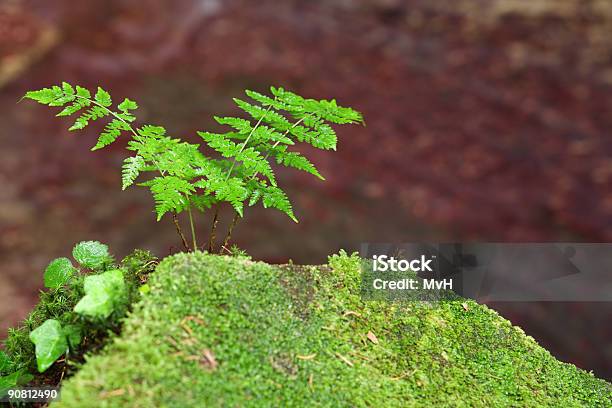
(58, 304)
(221, 331)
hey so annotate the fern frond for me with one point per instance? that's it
(272, 118)
(274, 197)
(265, 100)
(103, 98)
(54, 96)
(220, 143)
(178, 158)
(127, 105)
(243, 126)
(299, 162)
(130, 170)
(251, 159)
(79, 99)
(111, 132)
(153, 132)
(255, 197)
(231, 190)
(170, 194)
(202, 202)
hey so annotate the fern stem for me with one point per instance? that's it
(213, 231)
(229, 173)
(119, 118)
(286, 133)
(111, 112)
(180, 231)
(193, 234)
(228, 237)
(278, 141)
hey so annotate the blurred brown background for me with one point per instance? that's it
(487, 120)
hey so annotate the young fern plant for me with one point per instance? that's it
(183, 178)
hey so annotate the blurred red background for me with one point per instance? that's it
(487, 121)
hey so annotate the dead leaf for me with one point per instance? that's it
(114, 393)
(190, 341)
(187, 328)
(194, 319)
(359, 355)
(344, 359)
(310, 381)
(401, 377)
(351, 313)
(372, 337)
(465, 306)
(209, 360)
(308, 357)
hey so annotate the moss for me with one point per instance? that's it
(59, 304)
(221, 331)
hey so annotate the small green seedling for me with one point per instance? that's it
(183, 178)
(51, 343)
(58, 273)
(92, 254)
(105, 292)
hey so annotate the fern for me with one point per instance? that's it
(181, 176)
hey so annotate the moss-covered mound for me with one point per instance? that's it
(221, 331)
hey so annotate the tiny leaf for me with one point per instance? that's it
(58, 273)
(91, 254)
(103, 98)
(127, 105)
(50, 342)
(103, 293)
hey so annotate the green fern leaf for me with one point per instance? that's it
(131, 169)
(231, 190)
(266, 100)
(151, 131)
(254, 162)
(297, 161)
(290, 99)
(111, 132)
(202, 202)
(127, 105)
(220, 143)
(170, 194)
(83, 92)
(67, 88)
(272, 118)
(325, 139)
(81, 123)
(243, 126)
(103, 98)
(255, 197)
(45, 96)
(71, 109)
(263, 134)
(274, 197)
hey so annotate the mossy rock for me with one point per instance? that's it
(227, 331)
